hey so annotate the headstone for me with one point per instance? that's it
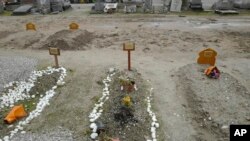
(99, 5)
(73, 26)
(30, 26)
(110, 7)
(43, 6)
(243, 4)
(22, 10)
(147, 5)
(207, 56)
(223, 5)
(1, 7)
(160, 6)
(208, 4)
(130, 8)
(137, 2)
(56, 5)
(176, 5)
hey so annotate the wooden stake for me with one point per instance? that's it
(129, 61)
(129, 47)
(56, 60)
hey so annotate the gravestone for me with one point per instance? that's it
(176, 5)
(223, 5)
(243, 4)
(22, 10)
(1, 7)
(160, 6)
(147, 5)
(207, 4)
(99, 5)
(43, 6)
(130, 8)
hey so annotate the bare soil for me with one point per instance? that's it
(129, 123)
(166, 45)
(43, 84)
(212, 104)
(69, 40)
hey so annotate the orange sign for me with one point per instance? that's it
(207, 56)
(17, 112)
(73, 26)
(30, 26)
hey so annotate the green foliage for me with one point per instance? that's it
(6, 13)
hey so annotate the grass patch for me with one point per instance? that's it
(43, 84)
(6, 13)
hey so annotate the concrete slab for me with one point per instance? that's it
(22, 10)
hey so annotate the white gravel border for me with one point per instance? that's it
(97, 110)
(18, 94)
(154, 124)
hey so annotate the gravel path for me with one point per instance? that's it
(58, 134)
(13, 68)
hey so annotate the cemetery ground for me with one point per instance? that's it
(188, 105)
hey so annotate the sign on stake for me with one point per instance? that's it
(207, 56)
(129, 47)
(73, 26)
(55, 52)
(30, 26)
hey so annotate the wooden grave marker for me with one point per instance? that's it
(129, 46)
(55, 52)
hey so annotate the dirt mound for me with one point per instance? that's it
(43, 84)
(129, 123)
(69, 40)
(212, 104)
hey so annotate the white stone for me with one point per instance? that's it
(93, 135)
(93, 125)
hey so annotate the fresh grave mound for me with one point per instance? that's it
(30, 96)
(125, 113)
(43, 83)
(69, 40)
(212, 104)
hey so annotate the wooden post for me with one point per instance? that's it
(129, 47)
(55, 52)
(56, 60)
(129, 61)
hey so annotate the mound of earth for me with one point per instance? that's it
(212, 104)
(129, 123)
(43, 84)
(69, 40)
